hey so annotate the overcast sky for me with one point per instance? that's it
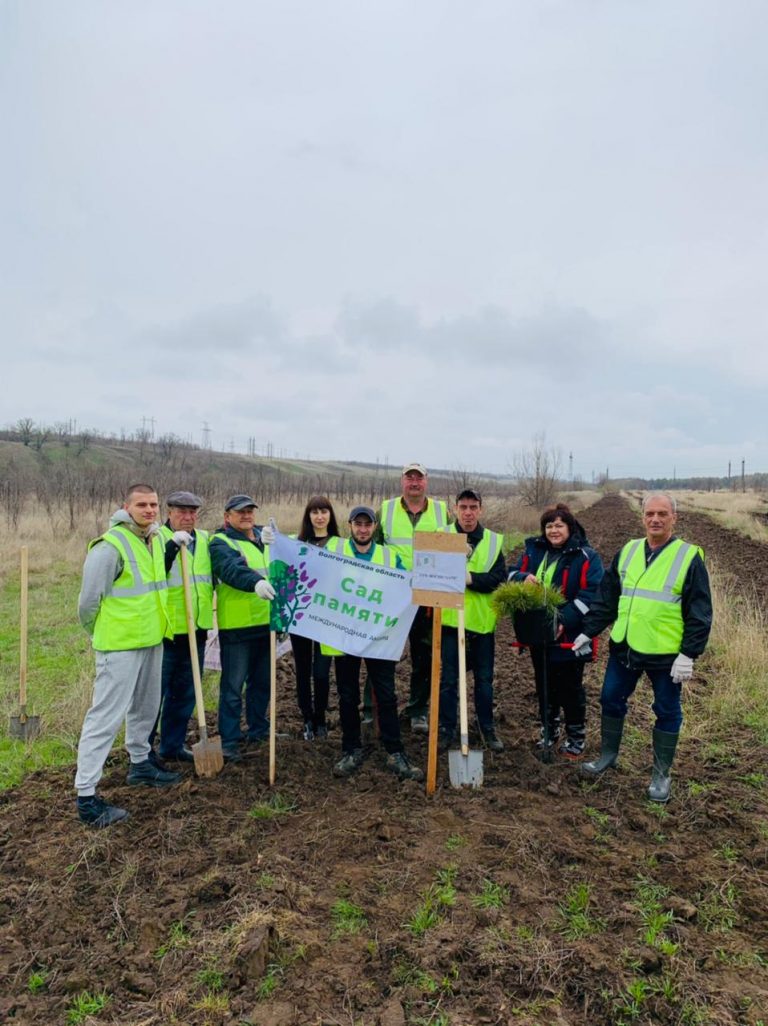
(388, 230)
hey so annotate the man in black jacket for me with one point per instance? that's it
(656, 594)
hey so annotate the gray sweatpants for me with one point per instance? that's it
(127, 687)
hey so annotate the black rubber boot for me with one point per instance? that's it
(611, 730)
(664, 745)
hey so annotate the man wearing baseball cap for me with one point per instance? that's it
(400, 518)
(240, 562)
(381, 672)
(486, 570)
(178, 690)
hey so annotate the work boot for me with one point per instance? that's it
(611, 730)
(349, 763)
(95, 812)
(575, 741)
(184, 754)
(492, 740)
(399, 764)
(664, 745)
(419, 725)
(145, 774)
(231, 753)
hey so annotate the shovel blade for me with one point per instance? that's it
(209, 758)
(26, 728)
(465, 770)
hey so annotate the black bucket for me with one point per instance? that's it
(535, 626)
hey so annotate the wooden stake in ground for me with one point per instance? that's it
(24, 726)
(209, 758)
(439, 591)
(272, 706)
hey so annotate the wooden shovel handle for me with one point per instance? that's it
(23, 623)
(434, 700)
(463, 713)
(272, 706)
(192, 636)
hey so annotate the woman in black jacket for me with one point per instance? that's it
(560, 557)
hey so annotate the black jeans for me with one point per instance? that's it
(311, 664)
(381, 674)
(480, 658)
(178, 692)
(564, 686)
(420, 644)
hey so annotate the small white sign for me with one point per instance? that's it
(439, 571)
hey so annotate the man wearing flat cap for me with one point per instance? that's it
(178, 691)
(240, 562)
(400, 518)
(381, 672)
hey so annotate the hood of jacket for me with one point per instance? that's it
(123, 517)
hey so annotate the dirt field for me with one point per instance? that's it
(198, 911)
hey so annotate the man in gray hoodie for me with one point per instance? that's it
(122, 606)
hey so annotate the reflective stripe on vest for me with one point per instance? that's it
(650, 618)
(236, 608)
(133, 614)
(398, 529)
(479, 615)
(200, 579)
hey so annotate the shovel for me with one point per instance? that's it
(209, 758)
(24, 726)
(465, 768)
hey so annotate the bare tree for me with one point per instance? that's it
(25, 428)
(536, 472)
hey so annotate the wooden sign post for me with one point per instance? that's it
(439, 580)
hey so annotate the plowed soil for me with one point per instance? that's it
(202, 909)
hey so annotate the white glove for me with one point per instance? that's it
(182, 538)
(682, 669)
(265, 590)
(582, 646)
(268, 533)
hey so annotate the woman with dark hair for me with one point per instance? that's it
(318, 525)
(560, 557)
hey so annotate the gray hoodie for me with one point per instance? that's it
(103, 565)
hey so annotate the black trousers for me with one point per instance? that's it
(565, 688)
(311, 664)
(381, 674)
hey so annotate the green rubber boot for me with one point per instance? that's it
(611, 730)
(664, 746)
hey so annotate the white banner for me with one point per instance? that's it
(357, 607)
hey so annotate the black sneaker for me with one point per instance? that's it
(146, 774)
(95, 812)
(231, 753)
(309, 731)
(349, 763)
(492, 740)
(398, 763)
(554, 735)
(321, 732)
(573, 747)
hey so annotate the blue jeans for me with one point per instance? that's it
(481, 649)
(178, 701)
(244, 663)
(620, 682)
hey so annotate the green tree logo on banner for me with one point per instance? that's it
(293, 589)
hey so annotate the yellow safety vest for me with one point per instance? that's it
(479, 615)
(236, 608)
(133, 614)
(201, 582)
(649, 616)
(398, 529)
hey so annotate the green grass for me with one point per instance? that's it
(717, 908)
(491, 896)
(455, 841)
(275, 805)
(84, 1005)
(178, 938)
(347, 918)
(576, 919)
(37, 981)
(436, 900)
